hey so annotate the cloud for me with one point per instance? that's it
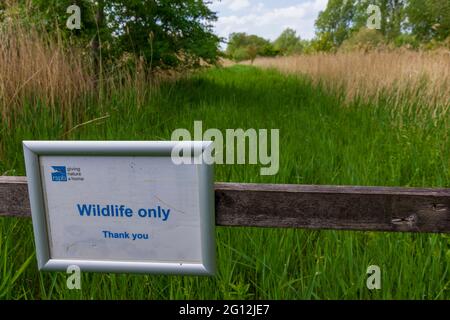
(270, 22)
(233, 5)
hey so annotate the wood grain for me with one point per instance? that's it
(301, 206)
(334, 207)
(14, 197)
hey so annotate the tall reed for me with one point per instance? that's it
(36, 68)
(403, 75)
(39, 69)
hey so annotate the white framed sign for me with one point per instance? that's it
(121, 206)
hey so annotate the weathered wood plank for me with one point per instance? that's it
(334, 207)
(302, 206)
(14, 197)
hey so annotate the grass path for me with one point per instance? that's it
(323, 141)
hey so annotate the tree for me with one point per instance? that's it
(395, 18)
(429, 19)
(336, 21)
(52, 14)
(323, 42)
(242, 46)
(288, 42)
(165, 32)
(168, 32)
(365, 40)
(342, 18)
(252, 52)
(392, 17)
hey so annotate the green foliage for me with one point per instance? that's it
(403, 22)
(323, 42)
(429, 19)
(52, 15)
(407, 41)
(434, 44)
(335, 21)
(392, 17)
(165, 33)
(364, 39)
(242, 46)
(342, 18)
(240, 54)
(288, 43)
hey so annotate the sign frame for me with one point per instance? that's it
(34, 149)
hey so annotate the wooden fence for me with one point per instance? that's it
(301, 206)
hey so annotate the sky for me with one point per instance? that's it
(266, 18)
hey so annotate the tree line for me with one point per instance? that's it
(242, 46)
(174, 33)
(344, 25)
(163, 33)
(412, 22)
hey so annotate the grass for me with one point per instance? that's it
(325, 139)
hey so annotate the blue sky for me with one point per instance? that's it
(267, 18)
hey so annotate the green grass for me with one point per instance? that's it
(323, 141)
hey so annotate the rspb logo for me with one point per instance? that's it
(59, 173)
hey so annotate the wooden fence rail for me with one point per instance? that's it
(301, 206)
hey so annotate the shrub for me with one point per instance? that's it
(363, 40)
(407, 40)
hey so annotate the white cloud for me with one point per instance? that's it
(234, 5)
(270, 22)
(238, 4)
(259, 7)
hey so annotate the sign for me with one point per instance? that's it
(114, 206)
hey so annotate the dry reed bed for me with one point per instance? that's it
(36, 69)
(423, 77)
